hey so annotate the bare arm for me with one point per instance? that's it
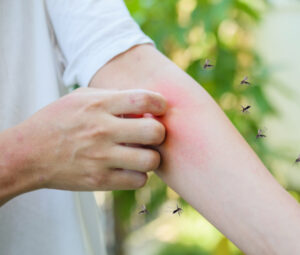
(206, 160)
(14, 179)
(76, 142)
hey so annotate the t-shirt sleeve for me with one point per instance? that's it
(90, 33)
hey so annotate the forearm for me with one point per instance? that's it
(15, 175)
(206, 160)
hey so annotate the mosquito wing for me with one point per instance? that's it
(179, 209)
(207, 64)
(245, 81)
(143, 210)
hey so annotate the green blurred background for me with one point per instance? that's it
(188, 32)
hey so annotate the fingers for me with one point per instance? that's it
(146, 131)
(126, 179)
(134, 158)
(136, 102)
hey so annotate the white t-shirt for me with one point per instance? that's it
(46, 46)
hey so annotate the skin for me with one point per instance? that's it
(78, 143)
(206, 160)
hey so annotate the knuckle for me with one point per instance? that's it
(99, 158)
(99, 132)
(147, 99)
(99, 180)
(92, 104)
(152, 160)
(79, 90)
(71, 100)
(143, 100)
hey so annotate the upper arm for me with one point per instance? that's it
(91, 32)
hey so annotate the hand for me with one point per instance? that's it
(78, 141)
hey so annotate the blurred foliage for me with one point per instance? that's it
(179, 249)
(188, 32)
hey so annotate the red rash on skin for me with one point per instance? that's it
(182, 143)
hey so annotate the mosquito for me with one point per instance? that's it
(207, 64)
(143, 210)
(246, 108)
(245, 81)
(178, 210)
(260, 134)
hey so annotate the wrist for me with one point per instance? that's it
(16, 174)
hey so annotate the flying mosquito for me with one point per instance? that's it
(246, 108)
(245, 81)
(143, 210)
(260, 134)
(178, 210)
(207, 64)
(297, 160)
